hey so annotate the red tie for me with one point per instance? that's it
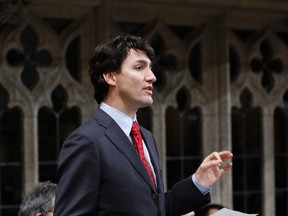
(136, 136)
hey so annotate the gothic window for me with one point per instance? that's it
(195, 62)
(30, 58)
(54, 126)
(164, 61)
(10, 157)
(144, 116)
(267, 64)
(247, 160)
(281, 157)
(234, 64)
(183, 138)
(72, 59)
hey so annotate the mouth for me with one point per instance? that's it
(149, 89)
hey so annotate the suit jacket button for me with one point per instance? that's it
(154, 196)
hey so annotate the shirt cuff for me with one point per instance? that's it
(204, 190)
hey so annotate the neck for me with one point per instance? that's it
(124, 109)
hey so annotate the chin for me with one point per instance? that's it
(147, 103)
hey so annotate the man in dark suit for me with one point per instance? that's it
(100, 171)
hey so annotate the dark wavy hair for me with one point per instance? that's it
(110, 55)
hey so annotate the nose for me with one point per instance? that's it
(151, 77)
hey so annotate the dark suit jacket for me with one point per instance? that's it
(100, 173)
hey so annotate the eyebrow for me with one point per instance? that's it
(144, 62)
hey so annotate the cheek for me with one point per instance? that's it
(133, 84)
(129, 89)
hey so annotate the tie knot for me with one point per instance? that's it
(135, 128)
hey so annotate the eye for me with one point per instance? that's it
(138, 67)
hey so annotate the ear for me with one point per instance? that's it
(110, 78)
(38, 214)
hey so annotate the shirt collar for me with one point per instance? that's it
(123, 120)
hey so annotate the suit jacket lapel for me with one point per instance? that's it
(121, 141)
(150, 144)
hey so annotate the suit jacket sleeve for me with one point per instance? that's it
(184, 197)
(79, 169)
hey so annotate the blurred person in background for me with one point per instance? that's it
(39, 201)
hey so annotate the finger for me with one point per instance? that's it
(216, 159)
(211, 160)
(216, 156)
(225, 168)
(225, 155)
(211, 163)
(212, 157)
